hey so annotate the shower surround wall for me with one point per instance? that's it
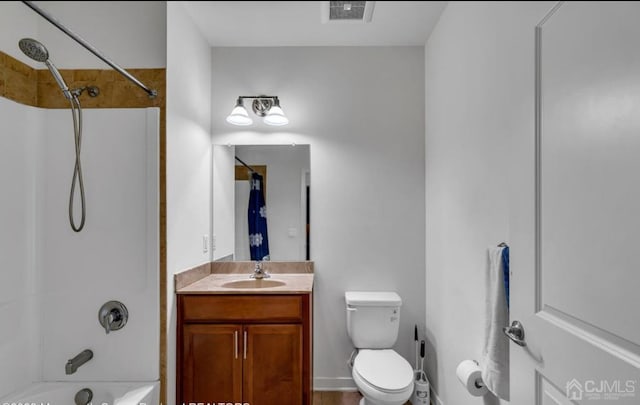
(21, 126)
(115, 257)
(53, 281)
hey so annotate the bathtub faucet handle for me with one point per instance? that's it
(107, 321)
(113, 316)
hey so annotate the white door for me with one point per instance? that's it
(576, 232)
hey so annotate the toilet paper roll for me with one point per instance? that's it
(470, 376)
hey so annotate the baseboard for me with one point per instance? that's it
(435, 400)
(347, 384)
(334, 384)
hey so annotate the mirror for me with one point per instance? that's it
(284, 179)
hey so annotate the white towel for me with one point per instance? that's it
(495, 362)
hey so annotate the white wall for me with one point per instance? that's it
(19, 352)
(17, 21)
(133, 34)
(115, 256)
(361, 110)
(188, 159)
(286, 165)
(479, 108)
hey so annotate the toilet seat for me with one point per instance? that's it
(383, 370)
(372, 395)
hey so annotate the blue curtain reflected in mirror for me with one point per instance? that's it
(257, 215)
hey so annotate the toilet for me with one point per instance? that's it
(382, 375)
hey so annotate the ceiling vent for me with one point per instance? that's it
(347, 11)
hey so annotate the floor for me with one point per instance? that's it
(338, 398)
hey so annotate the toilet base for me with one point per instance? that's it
(364, 401)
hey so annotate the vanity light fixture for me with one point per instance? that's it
(263, 106)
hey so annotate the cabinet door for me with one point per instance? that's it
(212, 364)
(273, 365)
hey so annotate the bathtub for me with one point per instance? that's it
(104, 393)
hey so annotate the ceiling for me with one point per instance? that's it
(298, 23)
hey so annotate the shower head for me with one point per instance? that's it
(38, 52)
(34, 49)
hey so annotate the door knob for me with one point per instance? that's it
(515, 332)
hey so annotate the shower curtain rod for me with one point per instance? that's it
(245, 165)
(151, 92)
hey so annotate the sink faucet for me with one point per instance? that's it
(258, 272)
(79, 360)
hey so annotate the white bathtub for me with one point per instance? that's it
(104, 393)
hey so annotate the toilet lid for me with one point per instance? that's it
(384, 369)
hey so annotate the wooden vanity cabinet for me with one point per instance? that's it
(210, 367)
(253, 349)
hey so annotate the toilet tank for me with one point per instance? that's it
(373, 318)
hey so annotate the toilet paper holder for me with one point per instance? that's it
(478, 383)
(470, 375)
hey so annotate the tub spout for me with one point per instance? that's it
(74, 363)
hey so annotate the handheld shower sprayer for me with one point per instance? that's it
(56, 75)
(38, 52)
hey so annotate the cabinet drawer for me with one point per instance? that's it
(227, 308)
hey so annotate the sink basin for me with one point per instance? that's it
(253, 283)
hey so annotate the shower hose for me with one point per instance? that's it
(76, 112)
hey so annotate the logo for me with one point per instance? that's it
(603, 390)
(574, 390)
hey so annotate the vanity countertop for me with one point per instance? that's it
(203, 280)
(289, 283)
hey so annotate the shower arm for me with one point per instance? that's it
(151, 92)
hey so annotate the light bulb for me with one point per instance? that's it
(239, 115)
(276, 116)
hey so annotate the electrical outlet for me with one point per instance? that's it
(205, 243)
